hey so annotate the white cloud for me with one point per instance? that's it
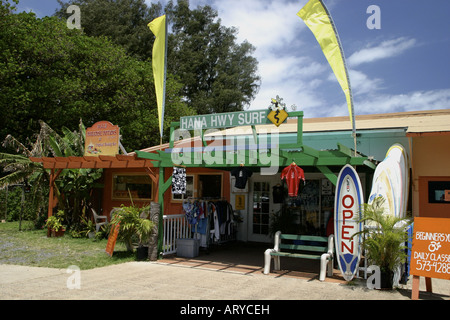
(288, 68)
(269, 25)
(362, 84)
(386, 49)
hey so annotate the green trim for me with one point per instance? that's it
(163, 187)
(328, 173)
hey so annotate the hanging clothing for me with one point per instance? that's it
(179, 181)
(278, 194)
(293, 174)
(191, 211)
(215, 226)
(241, 174)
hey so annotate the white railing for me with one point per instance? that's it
(175, 227)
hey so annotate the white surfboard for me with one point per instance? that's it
(391, 180)
(347, 213)
(398, 153)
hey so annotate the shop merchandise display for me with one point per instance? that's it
(179, 180)
(278, 193)
(241, 174)
(213, 217)
(293, 174)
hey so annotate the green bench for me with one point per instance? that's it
(310, 247)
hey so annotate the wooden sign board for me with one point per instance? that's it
(430, 253)
(102, 139)
(112, 239)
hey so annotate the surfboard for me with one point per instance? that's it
(347, 213)
(391, 181)
(398, 153)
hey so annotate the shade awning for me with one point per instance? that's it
(89, 162)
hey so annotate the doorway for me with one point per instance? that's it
(261, 207)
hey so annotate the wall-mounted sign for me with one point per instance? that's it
(240, 202)
(225, 120)
(102, 139)
(430, 252)
(348, 201)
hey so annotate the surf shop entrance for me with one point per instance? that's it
(275, 179)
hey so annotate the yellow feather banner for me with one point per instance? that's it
(319, 21)
(159, 63)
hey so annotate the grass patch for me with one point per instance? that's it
(31, 247)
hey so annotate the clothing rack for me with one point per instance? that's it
(213, 220)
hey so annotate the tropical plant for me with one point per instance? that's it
(385, 236)
(133, 230)
(282, 220)
(55, 222)
(19, 169)
(74, 184)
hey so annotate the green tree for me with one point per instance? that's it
(51, 73)
(217, 73)
(122, 21)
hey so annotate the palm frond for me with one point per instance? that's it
(10, 141)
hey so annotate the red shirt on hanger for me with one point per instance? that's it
(293, 174)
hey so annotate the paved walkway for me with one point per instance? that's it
(169, 280)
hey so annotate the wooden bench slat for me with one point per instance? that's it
(303, 247)
(295, 255)
(303, 238)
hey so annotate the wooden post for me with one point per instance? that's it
(161, 212)
(53, 177)
(416, 289)
(50, 196)
(163, 186)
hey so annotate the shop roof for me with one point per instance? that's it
(430, 122)
(414, 122)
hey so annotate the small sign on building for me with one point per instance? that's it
(278, 116)
(102, 139)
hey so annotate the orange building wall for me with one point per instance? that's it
(170, 206)
(431, 162)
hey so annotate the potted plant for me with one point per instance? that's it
(134, 231)
(282, 220)
(385, 239)
(54, 225)
(88, 228)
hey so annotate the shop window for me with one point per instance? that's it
(138, 187)
(189, 189)
(210, 186)
(439, 192)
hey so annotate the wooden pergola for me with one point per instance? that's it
(57, 164)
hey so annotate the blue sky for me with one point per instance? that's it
(403, 66)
